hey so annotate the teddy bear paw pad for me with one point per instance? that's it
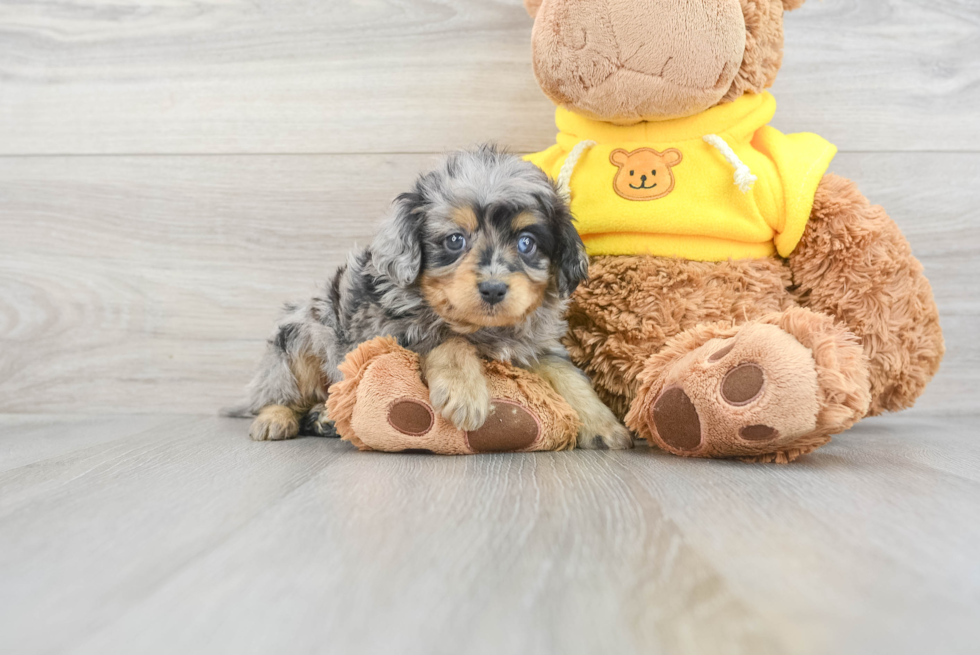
(743, 385)
(509, 428)
(759, 433)
(677, 420)
(411, 417)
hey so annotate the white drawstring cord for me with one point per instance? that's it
(568, 168)
(743, 174)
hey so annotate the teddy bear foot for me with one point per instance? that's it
(753, 390)
(510, 427)
(756, 392)
(382, 404)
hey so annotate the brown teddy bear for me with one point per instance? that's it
(742, 302)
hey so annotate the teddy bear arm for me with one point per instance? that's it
(853, 263)
(383, 404)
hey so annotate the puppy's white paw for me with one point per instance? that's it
(274, 423)
(463, 402)
(602, 431)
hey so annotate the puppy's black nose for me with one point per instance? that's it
(492, 292)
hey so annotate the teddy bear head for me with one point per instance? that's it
(627, 61)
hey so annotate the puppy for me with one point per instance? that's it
(477, 261)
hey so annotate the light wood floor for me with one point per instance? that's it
(175, 534)
(172, 172)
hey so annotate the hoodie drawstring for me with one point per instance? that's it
(743, 174)
(568, 168)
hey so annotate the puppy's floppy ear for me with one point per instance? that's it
(532, 7)
(397, 250)
(573, 263)
(570, 262)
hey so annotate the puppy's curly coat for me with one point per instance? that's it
(478, 260)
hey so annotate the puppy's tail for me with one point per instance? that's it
(243, 410)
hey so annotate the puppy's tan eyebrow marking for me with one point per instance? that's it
(465, 217)
(523, 220)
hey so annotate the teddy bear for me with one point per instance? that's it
(743, 302)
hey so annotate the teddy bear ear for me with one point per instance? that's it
(788, 5)
(532, 6)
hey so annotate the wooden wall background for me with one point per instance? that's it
(171, 172)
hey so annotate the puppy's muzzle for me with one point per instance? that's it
(493, 292)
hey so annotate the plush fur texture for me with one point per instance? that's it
(533, 6)
(763, 46)
(597, 57)
(854, 264)
(631, 306)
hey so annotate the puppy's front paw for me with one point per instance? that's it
(274, 423)
(463, 402)
(602, 431)
(317, 423)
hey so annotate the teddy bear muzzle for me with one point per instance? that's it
(580, 63)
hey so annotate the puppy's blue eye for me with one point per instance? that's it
(456, 242)
(526, 244)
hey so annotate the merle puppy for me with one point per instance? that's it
(477, 261)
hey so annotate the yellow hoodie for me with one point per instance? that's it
(719, 185)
